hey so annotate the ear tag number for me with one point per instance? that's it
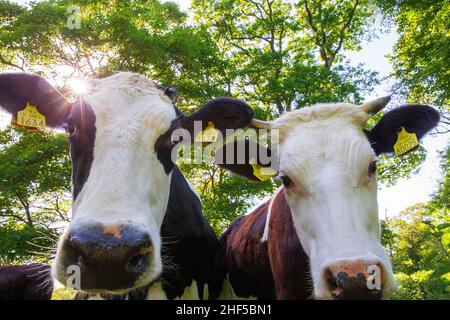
(262, 173)
(30, 118)
(208, 135)
(406, 142)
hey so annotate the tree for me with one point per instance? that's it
(149, 37)
(419, 240)
(269, 49)
(34, 177)
(24, 244)
(422, 254)
(271, 53)
(421, 54)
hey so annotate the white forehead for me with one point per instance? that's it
(128, 83)
(130, 100)
(322, 133)
(336, 115)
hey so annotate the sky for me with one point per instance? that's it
(406, 192)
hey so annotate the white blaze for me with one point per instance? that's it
(127, 183)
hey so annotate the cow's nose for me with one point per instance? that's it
(355, 280)
(109, 257)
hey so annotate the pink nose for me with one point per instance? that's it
(355, 280)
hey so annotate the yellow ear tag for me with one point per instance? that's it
(406, 142)
(208, 135)
(30, 118)
(263, 173)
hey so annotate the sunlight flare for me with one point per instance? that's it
(78, 86)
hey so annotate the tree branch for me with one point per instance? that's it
(11, 64)
(344, 28)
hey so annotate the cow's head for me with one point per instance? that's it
(120, 138)
(327, 164)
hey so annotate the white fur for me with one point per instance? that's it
(324, 151)
(127, 183)
(265, 236)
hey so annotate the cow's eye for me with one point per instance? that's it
(71, 129)
(373, 168)
(287, 182)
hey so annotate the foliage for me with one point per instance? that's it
(421, 54)
(226, 196)
(63, 293)
(277, 55)
(441, 198)
(419, 242)
(149, 37)
(271, 59)
(34, 176)
(391, 168)
(24, 244)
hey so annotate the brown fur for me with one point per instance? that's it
(277, 268)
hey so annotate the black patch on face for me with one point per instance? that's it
(164, 147)
(171, 92)
(81, 144)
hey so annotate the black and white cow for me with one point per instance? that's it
(136, 222)
(319, 235)
(26, 282)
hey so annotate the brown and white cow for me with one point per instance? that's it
(136, 222)
(319, 235)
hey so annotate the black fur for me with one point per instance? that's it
(18, 89)
(26, 282)
(243, 169)
(190, 242)
(224, 112)
(81, 144)
(418, 119)
(164, 147)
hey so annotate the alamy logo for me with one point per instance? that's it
(74, 20)
(374, 278)
(74, 278)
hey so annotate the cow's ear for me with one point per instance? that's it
(223, 113)
(248, 159)
(414, 119)
(17, 90)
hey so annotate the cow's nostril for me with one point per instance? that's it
(330, 279)
(138, 262)
(351, 280)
